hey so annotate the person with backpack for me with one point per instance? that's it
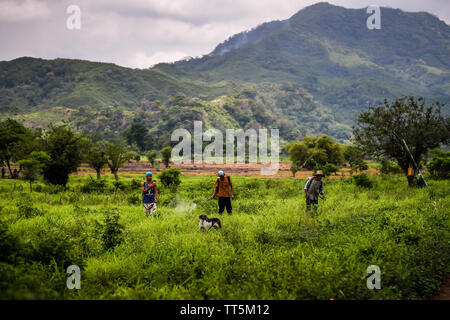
(314, 188)
(149, 194)
(223, 186)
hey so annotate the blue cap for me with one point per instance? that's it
(149, 174)
(221, 173)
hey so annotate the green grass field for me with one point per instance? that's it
(269, 249)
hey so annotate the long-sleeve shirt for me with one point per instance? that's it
(315, 188)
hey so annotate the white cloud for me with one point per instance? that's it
(27, 10)
(140, 33)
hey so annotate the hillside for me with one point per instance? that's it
(309, 74)
(329, 51)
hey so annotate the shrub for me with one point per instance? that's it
(135, 184)
(327, 169)
(93, 185)
(119, 185)
(111, 230)
(27, 210)
(363, 180)
(170, 178)
(134, 199)
(389, 166)
(439, 166)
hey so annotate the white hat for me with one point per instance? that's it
(221, 173)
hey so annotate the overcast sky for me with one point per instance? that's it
(140, 33)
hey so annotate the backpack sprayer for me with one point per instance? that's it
(412, 158)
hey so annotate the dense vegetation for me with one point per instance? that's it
(269, 249)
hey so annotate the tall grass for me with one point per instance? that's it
(270, 248)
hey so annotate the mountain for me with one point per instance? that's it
(309, 74)
(329, 51)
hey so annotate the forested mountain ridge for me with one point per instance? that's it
(309, 74)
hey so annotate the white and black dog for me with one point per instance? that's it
(206, 223)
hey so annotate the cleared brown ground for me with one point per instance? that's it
(249, 170)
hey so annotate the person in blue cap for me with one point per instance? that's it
(149, 194)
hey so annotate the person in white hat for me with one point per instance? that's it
(314, 188)
(223, 186)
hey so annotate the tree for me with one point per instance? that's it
(360, 165)
(314, 151)
(353, 154)
(95, 156)
(32, 166)
(151, 156)
(116, 155)
(65, 150)
(15, 142)
(298, 152)
(384, 130)
(138, 133)
(332, 149)
(166, 155)
(295, 166)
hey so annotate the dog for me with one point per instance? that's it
(206, 223)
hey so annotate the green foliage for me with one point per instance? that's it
(92, 185)
(439, 165)
(363, 180)
(15, 142)
(327, 169)
(117, 155)
(402, 230)
(65, 150)
(151, 157)
(119, 185)
(360, 165)
(170, 178)
(381, 130)
(166, 155)
(111, 231)
(134, 199)
(138, 133)
(33, 165)
(27, 210)
(95, 155)
(315, 151)
(389, 166)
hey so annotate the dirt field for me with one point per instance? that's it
(249, 170)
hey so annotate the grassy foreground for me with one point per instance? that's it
(269, 249)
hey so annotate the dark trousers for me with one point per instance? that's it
(225, 202)
(313, 203)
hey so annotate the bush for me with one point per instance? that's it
(389, 166)
(327, 169)
(135, 184)
(134, 199)
(363, 180)
(170, 178)
(119, 185)
(111, 230)
(27, 210)
(93, 185)
(439, 166)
